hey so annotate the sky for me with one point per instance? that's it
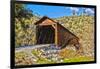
(56, 11)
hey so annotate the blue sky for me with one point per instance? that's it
(56, 11)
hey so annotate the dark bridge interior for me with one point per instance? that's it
(45, 35)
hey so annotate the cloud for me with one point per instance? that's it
(66, 7)
(89, 10)
(74, 9)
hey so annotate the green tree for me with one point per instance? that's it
(22, 12)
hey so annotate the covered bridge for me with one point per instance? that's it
(49, 31)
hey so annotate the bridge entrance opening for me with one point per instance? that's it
(45, 35)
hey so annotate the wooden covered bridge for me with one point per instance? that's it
(49, 31)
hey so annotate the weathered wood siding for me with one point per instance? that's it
(65, 37)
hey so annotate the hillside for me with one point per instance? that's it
(81, 26)
(25, 31)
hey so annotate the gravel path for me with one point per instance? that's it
(25, 48)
